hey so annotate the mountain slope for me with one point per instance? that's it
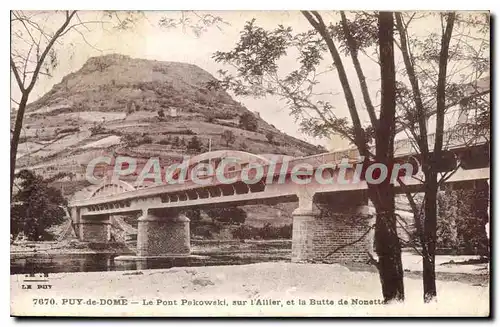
(141, 108)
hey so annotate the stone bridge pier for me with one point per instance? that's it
(95, 229)
(332, 228)
(163, 233)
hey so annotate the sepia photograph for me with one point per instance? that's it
(314, 163)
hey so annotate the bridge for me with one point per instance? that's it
(333, 207)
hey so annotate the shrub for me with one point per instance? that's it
(229, 137)
(233, 215)
(68, 130)
(244, 232)
(270, 137)
(462, 215)
(35, 207)
(181, 132)
(97, 129)
(194, 144)
(132, 140)
(267, 232)
(166, 141)
(248, 121)
(193, 214)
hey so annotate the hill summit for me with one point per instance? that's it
(141, 108)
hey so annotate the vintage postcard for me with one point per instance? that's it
(250, 163)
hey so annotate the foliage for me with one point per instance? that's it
(231, 215)
(270, 137)
(97, 129)
(468, 62)
(193, 214)
(165, 141)
(36, 36)
(35, 207)
(68, 130)
(254, 61)
(133, 140)
(180, 131)
(194, 144)
(243, 146)
(267, 232)
(256, 57)
(228, 136)
(248, 121)
(196, 22)
(442, 69)
(461, 220)
(176, 141)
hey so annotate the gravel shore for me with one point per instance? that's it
(263, 289)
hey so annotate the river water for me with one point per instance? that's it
(55, 263)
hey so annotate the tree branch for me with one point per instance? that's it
(359, 71)
(441, 85)
(16, 75)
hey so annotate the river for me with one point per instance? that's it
(236, 255)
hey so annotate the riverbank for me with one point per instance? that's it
(465, 268)
(279, 248)
(30, 249)
(345, 293)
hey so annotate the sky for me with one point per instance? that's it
(148, 40)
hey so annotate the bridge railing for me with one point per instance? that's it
(451, 139)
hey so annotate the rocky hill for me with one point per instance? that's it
(113, 99)
(115, 104)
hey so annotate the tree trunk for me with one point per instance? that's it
(386, 239)
(431, 183)
(15, 139)
(387, 243)
(429, 244)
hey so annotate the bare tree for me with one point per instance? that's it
(31, 45)
(228, 136)
(36, 35)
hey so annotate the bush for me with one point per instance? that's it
(462, 215)
(146, 140)
(181, 132)
(166, 141)
(193, 214)
(132, 140)
(248, 121)
(270, 137)
(229, 137)
(176, 141)
(267, 232)
(194, 144)
(244, 232)
(35, 207)
(97, 129)
(231, 215)
(69, 130)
